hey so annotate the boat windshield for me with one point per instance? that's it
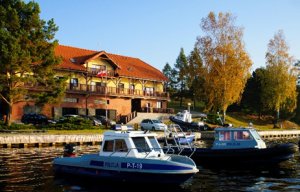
(255, 135)
(141, 144)
(154, 143)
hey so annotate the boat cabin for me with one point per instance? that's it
(184, 116)
(237, 138)
(138, 144)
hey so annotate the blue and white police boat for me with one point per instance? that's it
(237, 147)
(129, 156)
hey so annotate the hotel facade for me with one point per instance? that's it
(101, 83)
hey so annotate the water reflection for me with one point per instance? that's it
(31, 170)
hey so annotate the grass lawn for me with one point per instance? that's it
(265, 123)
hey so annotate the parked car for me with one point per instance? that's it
(34, 118)
(105, 120)
(70, 115)
(153, 124)
(96, 122)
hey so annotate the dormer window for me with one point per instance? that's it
(73, 60)
(95, 67)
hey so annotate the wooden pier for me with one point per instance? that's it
(42, 140)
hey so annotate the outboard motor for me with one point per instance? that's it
(69, 150)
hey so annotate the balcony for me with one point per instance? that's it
(115, 92)
(94, 72)
(156, 110)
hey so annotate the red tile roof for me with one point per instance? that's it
(73, 59)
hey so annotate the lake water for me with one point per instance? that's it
(30, 169)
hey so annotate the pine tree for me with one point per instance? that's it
(181, 69)
(170, 85)
(27, 55)
(195, 76)
(251, 99)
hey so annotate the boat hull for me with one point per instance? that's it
(240, 157)
(188, 126)
(122, 176)
(124, 170)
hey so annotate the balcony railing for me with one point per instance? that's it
(156, 110)
(115, 91)
(94, 71)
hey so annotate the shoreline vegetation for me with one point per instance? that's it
(236, 119)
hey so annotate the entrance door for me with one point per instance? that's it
(136, 105)
(111, 113)
(69, 111)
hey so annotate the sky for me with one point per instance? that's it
(155, 30)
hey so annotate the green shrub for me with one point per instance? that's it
(213, 119)
(72, 123)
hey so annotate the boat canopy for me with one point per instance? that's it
(237, 138)
(130, 144)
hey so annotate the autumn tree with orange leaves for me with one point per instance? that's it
(226, 62)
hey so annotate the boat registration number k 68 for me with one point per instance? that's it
(134, 165)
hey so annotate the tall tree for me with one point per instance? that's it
(169, 73)
(181, 70)
(195, 78)
(251, 98)
(26, 55)
(279, 85)
(227, 64)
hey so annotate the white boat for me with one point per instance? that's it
(184, 119)
(134, 156)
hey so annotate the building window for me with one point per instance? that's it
(121, 88)
(149, 91)
(69, 111)
(71, 100)
(59, 77)
(74, 82)
(131, 88)
(100, 87)
(93, 86)
(94, 69)
(158, 104)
